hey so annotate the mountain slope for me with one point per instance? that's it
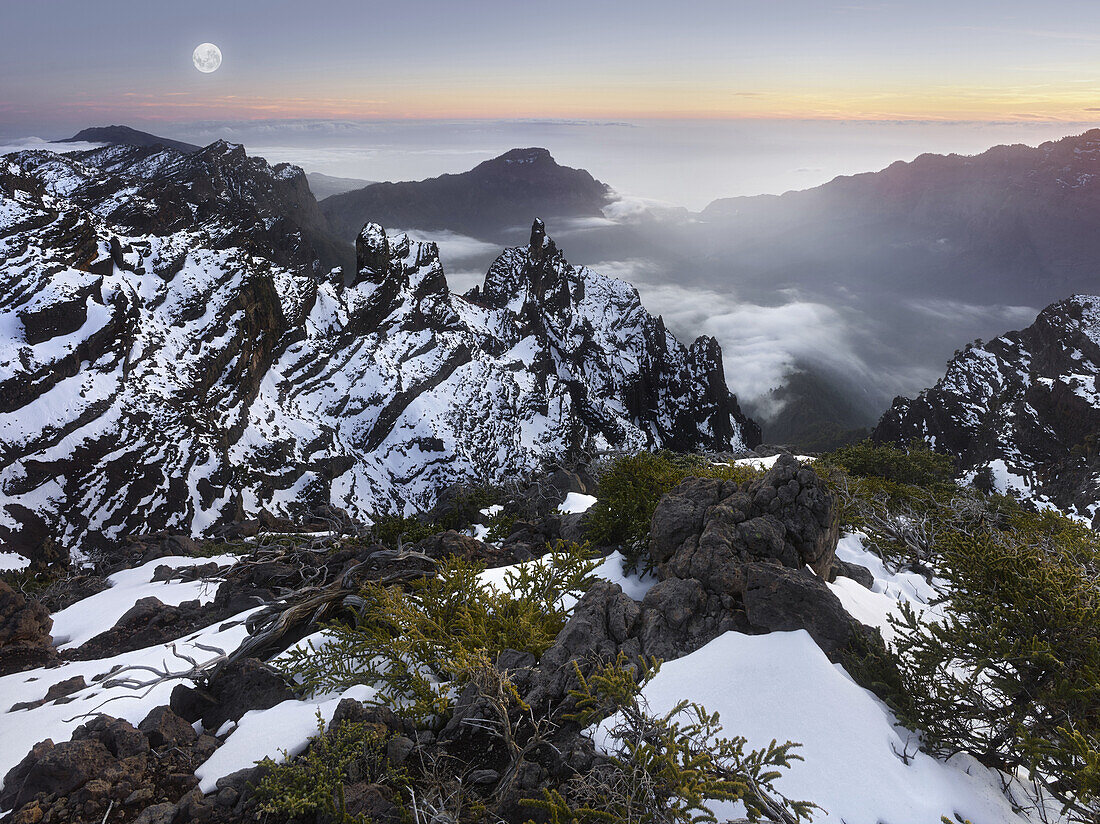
(1026, 406)
(125, 136)
(495, 194)
(1015, 219)
(324, 186)
(172, 354)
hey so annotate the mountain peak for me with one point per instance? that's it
(481, 202)
(1022, 409)
(521, 156)
(127, 136)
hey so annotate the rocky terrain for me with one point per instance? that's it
(491, 196)
(116, 729)
(1022, 412)
(177, 350)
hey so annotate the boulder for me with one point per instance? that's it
(679, 615)
(55, 770)
(164, 728)
(248, 684)
(25, 625)
(779, 599)
(860, 574)
(603, 623)
(735, 556)
(710, 529)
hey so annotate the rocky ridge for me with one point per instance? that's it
(174, 355)
(1021, 412)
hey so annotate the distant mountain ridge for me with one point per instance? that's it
(324, 186)
(125, 136)
(1019, 220)
(495, 194)
(1023, 409)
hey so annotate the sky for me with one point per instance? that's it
(68, 63)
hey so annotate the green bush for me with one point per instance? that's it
(630, 488)
(665, 768)
(414, 645)
(1012, 672)
(914, 465)
(312, 785)
(389, 530)
(463, 509)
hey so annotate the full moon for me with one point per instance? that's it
(207, 57)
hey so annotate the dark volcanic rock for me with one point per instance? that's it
(709, 530)
(110, 768)
(780, 599)
(603, 623)
(680, 615)
(734, 556)
(859, 574)
(241, 686)
(25, 626)
(147, 623)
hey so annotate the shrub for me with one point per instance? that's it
(665, 768)
(914, 465)
(413, 645)
(1012, 672)
(630, 488)
(313, 784)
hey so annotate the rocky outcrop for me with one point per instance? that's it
(603, 623)
(730, 556)
(190, 321)
(709, 529)
(246, 684)
(137, 774)
(751, 556)
(1020, 413)
(25, 624)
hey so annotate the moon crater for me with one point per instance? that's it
(206, 57)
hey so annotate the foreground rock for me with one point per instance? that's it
(137, 773)
(25, 624)
(739, 556)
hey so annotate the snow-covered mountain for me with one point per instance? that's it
(172, 354)
(1026, 405)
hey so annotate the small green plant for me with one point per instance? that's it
(630, 488)
(914, 465)
(665, 768)
(313, 784)
(414, 645)
(1011, 674)
(500, 525)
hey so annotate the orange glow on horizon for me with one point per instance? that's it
(658, 101)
